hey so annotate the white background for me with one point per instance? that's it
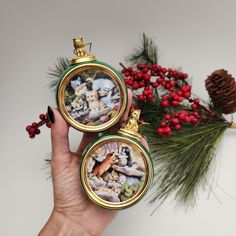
(198, 36)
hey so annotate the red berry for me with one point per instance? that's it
(149, 97)
(180, 93)
(164, 70)
(187, 94)
(197, 100)
(145, 69)
(165, 96)
(159, 68)
(187, 119)
(146, 77)
(163, 124)
(141, 84)
(130, 82)
(127, 74)
(175, 103)
(141, 98)
(139, 66)
(130, 69)
(194, 120)
(152, 72)
(174, 73)
(159, 80)
(32, 135)
(31, 130)
(167, 116)
(167, 86)
(42, 117)
(154, 66)
(184, 75)
(28, 127)
(145, 92)
(165, 103)
(194, 106)
(135, 86)
(155, 84)
(163, 83)
(177, 127)
(37, 131)
(34, 124)
(172, 83)
(166, 129)
(175, 121)
(160, 131)
(182, 116)
(126, 81)
(48, 124)
(139, 75)
(150, 91)
(180, 99)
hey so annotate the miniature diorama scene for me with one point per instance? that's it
(116, 172)
(92, 98)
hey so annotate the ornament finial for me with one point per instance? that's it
(132, 127)
(80, 52)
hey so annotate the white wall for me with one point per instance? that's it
(199, 36)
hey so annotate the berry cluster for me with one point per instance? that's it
(147, 78)
(175, 121)
(33, 129)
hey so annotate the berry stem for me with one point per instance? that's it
(122, 65)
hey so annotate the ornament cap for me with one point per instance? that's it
(132, 127)
(81, 54)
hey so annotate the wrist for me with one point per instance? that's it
(59, 225)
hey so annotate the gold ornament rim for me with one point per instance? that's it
(61, 94)
(88, 58)
(116, 205)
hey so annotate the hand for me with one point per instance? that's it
(73, 213)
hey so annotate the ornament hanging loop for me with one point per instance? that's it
(81, 54)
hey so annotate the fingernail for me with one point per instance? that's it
(51, 115)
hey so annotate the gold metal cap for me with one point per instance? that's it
(79, 51)
(131, 129)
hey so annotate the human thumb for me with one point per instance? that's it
(59, 134)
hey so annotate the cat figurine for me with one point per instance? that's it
(101, 168)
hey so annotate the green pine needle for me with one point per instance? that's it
(146, 54)
(182, 162)
(56, 72)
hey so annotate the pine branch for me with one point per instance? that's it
(182, 163)
(146, 54)
(56, 72)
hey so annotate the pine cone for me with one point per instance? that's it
(221, 87)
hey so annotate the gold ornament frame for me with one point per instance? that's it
(116, 78)
(148, 171)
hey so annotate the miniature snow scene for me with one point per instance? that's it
(92, 98)
(116, 171)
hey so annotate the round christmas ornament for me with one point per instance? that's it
(116, 169)
(91, 95)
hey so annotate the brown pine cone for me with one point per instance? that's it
(221, 87)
